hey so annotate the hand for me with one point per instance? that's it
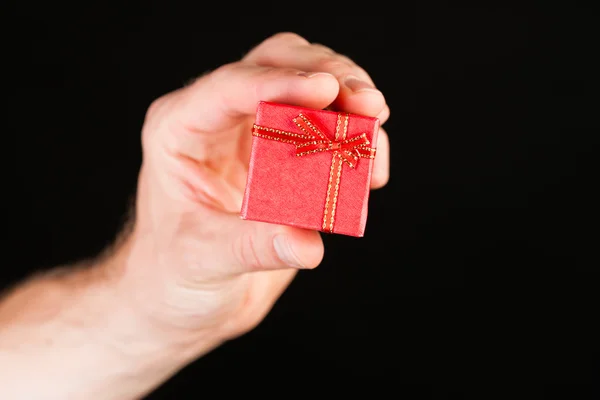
(189, 274)
(193, 266)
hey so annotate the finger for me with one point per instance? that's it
(240, 246)
(292, 38)
(217, 101)
(267, 53)
(357, 91)
(381, 165)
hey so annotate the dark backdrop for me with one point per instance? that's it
(475, 266)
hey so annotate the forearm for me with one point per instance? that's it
(71, 335)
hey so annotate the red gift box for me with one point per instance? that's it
(310, 169)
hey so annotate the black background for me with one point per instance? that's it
(477, 266)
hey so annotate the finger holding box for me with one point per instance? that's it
(357, 94)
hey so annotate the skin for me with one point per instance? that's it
(187, 274)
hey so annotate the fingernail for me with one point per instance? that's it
(313, 74)
(285, 253)
(357, 85)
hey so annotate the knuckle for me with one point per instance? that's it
(335, 64)
(154, 106)
(347, 60)
(225, 70)
(276, 72)
(288, 37)
(151, 121)
(269, 71)
(362, 71)
(194, 80)
(274, 42)
(322, 48)
(246, 252)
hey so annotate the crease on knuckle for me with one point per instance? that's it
(345, 64)
(335, 66)
(246, 253)
(272, 72)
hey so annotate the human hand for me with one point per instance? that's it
(192, 265)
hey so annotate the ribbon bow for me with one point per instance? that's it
(312, 140)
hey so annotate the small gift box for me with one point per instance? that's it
(310, 169)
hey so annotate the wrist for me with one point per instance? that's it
(149, 349)
(149, 294)
(76, 335)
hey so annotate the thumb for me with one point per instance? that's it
(248, 246)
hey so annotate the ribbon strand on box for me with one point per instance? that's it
(312, 140)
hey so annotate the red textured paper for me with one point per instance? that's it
(289, 190)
